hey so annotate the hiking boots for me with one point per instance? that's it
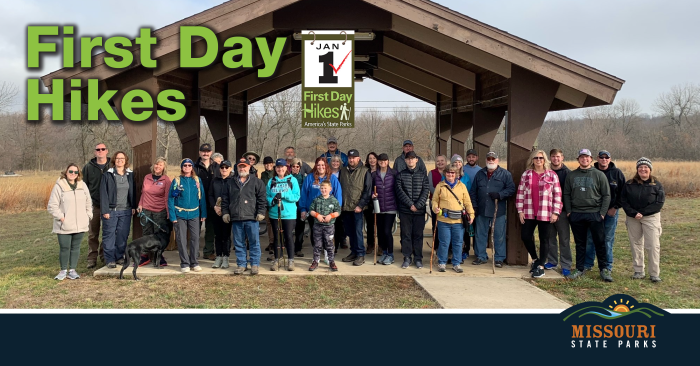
(185, 269)
(457, 268)
(299, 254)
(91, 264)
(111, 265)
(224, 262)
(574, 274)
(314, 265)
(334, 268)
(370, 249)
(638, 276)
(441, 267)
(538, 272)
(290, 265)
(254, 270)
(239, 270)
(479, 261)
(498, 264)
(359, 261)
(274, 264)
(196, 269)
(217, 262)
(655, 279)
(211, 257)
(350, 258)
(606, 275)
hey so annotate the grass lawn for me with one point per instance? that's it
(680, 265)
(29, 261)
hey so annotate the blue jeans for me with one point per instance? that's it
(482, 235)
(450, 234)
(610, 223)
(115, 232)
(353, 229)
(251, 229)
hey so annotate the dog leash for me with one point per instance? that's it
(143, 222)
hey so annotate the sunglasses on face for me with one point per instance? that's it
(490, 159)
(450, 173)
(72, 172)
(225, 167)
(186, 165)
(538, 158)
(101, 149)
(604, 157)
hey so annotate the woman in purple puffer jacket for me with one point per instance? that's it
(383, 181)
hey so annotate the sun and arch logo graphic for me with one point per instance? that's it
(620, 322)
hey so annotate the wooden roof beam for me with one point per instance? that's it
(405, 86)
(428, 63)
(414, 75)
(273, 86)
(252, 80)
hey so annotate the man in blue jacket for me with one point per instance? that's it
(491, 183)
(333, 150)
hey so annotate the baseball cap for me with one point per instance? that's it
(411, 154)
(584, 152)
(472, 152)
(408, 142)
(281, 162)
(602, 153)
(225, 163)
(383, 157)
(492, 154)
(268, 160)
(332, 139)
(205, 147)
(353, 152)
(243, 161)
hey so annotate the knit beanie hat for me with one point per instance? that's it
(186, 160)
(456, 157)
(644, 161)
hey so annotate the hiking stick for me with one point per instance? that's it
(280, 237)
(493, 233)
(375, 231)
(432, 248)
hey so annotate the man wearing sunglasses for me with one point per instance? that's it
(617, 183)
(92, 176)
(207, 169)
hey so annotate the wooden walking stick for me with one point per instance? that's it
(493, 233)
(432, 248)
(375, 228)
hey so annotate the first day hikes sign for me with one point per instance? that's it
(327, 81)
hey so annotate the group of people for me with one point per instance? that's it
(339, 194)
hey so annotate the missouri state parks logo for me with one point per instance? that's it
(618, 322)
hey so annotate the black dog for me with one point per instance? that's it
(150, 243)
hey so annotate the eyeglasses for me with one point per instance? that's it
(604, 157)
(72, 172)
(225, 167)
(101, 149)
(250, 158)
(186, 165)
(450, 173)
(120, 159)
(538, 158)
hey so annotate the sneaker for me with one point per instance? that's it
(533, 266)
(606, 275)
(273, 265)
(314, 265)
(163, 263)
(565, 272)
(120, 261)
(224, 262)
(638, 276)
(185, 269)
(359, 261)
(465, 255)
(479, 261)
(574, 274)
(111, 265)
(73, 275)
(197, 269)
(325, 257)
(334, 268)
(61, 275)
(370, 249)
(290, 265)
(389, 259)
(406, 262)
(381, 260)
(550, 266)
(538, 272)
(91, 264)
(457, 268)
(586, 269)
(144, 260)
(498, 264)
(418, 263)
(655, 279)
(441, 267)
(379, 251)
(217, 262)
(254, 270)
(350, 258)
(239, 270)
(299, 254)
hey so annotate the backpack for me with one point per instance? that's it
(177, 191)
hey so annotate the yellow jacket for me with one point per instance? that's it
(442, 198)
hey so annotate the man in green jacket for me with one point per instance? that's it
(586, 201)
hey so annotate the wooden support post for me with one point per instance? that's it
(486, 123)
(442, 130)
(238, 121)
(529, 100)
(218, 126)
(461, 126)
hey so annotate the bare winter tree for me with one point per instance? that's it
(8, 93)
(679, 104)
(625, 114)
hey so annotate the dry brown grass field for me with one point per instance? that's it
(30, 191)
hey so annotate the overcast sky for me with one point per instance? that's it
(652, 45)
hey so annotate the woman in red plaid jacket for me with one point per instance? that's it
(539, 204)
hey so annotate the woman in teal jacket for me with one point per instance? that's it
(187, 207)
(282, 196)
